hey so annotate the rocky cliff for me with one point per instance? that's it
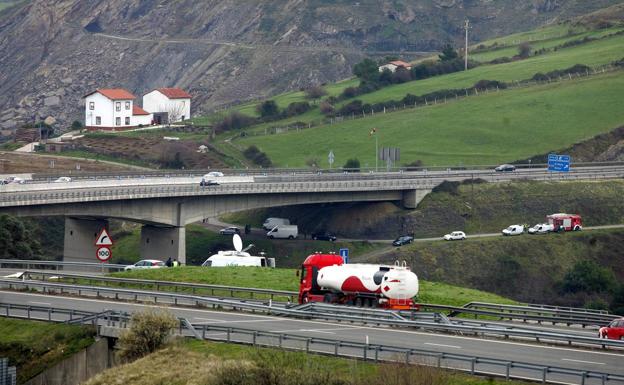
(52, 52)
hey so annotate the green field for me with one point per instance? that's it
(485, 129)
(286, 279)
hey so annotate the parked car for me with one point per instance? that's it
(455, 236)
(146, 264)
(514, 230)
(403, 240)
(324, 236)
(63, 179)
(229, 230)
(505, 167)
(614, 331)
(541, 228)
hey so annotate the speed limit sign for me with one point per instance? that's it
(103, 253)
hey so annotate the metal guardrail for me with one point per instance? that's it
(31, 264)
(475, 365)
(329, 312)
(530, 312)
(194, 288)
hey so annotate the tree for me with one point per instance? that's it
(268, 108)
(352, 165)
(524, 50)
(315, 92)
(76, 125)
(367, 69)
(448, 53)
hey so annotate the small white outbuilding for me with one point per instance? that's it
(169, 105)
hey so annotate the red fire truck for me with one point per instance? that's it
(565, 222)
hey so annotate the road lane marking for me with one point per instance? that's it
(346, 327)
(221, 321)
(583, 362)
(40, 303)
(444, 346)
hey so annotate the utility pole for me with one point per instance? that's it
(466, 27)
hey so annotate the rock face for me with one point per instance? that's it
(223, 51)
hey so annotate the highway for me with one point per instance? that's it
(590, 360)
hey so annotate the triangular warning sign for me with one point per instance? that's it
(103, 239)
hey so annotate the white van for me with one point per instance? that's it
(284, 232)
(237, 258)
(270, 223)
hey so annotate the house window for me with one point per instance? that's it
(127, 105)
(92, 105)
(118, 121)
(98, 120)
(127, 120)
(118, 106)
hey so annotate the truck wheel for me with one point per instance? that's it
(291, 237)
(577, 228)
(270, 236)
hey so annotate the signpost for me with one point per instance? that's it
(103, 242)
(330, 158)
(559, 163)
(344, 253)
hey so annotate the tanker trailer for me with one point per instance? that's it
(326, 278)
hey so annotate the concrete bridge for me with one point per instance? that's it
(164, 205)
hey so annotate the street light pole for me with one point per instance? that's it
(376, 152)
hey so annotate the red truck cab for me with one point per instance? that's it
(309, 291)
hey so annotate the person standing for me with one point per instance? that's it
(169, 263)
(176, 263)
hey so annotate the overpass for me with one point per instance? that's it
(164, 204)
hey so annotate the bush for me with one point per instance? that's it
(415, 165)
(258, 157)
(326, 108)
(76, 125)
(352, 165)
(447, 186)
(268, 108)
(524, 50)
(489, 84)
(296, 108)
(148, 332)
(355, 107)
(575, 69)
(349, 92)
(234, 121)
(588, 277)
(315, 92)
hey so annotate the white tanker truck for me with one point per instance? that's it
(325, 278)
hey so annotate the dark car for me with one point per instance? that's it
(615, 330)
(230, 230)
(324, 236)
(403, 240)
(505, 168)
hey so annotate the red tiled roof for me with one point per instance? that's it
(174, 93)
(136, 110)
(400, 63)
(114, 94)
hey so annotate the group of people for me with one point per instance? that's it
(172, 263)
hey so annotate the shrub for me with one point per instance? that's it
(355, 107)
(76, 125)
(326, 108)
(234, 121)
(501, 60)
(367, 69)
(315, 92)
(489, 84)
(268, 108)
(349, 92)
(414, 165)
(258, 157)
(296, 108)
(448, 53)
(148, 332)
(524, 50)
(589, 277)
(352, 165)
(447, 186)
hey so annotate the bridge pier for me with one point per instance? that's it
(411, 198)
(80, 235)
(163, 242)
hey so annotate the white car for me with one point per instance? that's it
(13, 179)
(541, 228)
(146, 264)
(514, 230)
(214, 174)
(455, 236)
(63, 179)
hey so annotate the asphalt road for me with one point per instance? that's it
(610, 362)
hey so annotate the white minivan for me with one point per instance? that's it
(270, 223)
(514, 230)
(283, 232)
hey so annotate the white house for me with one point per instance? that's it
(109, 109)
(394, 65)
(140, 117)
(168, 104)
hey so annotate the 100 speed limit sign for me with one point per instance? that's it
(103, 254)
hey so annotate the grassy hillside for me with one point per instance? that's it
(286, 279)
(485, 129)
(525, 268)
(34, 346)
(212, 363)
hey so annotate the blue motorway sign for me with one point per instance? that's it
(559, 163)
(344, 253)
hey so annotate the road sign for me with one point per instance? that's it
(103, 239)
(330, 157)
(344, 253)
(103, 253)
(560, 163)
